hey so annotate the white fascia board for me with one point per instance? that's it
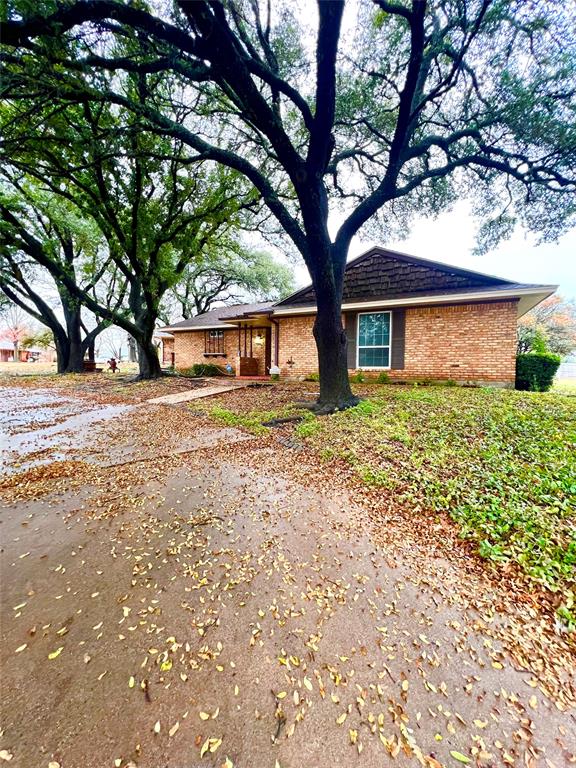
(537, 294)
(200, 328)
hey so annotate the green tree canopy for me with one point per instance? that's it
(156, 211)
(230, 274)
(42, 237)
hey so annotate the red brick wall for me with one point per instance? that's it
(463, 342)
(167, 350)
(297, 345)
(189, 348)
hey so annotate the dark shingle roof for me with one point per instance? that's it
(215, 316)
(384, 274)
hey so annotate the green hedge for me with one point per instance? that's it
(535, 372)
(203, 369)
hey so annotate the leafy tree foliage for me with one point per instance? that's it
(154, 213)
(42, 237)
(13, 327)
(549, 327)
(416, 104)
(229, 275)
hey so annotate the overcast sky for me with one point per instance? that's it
(451, 238)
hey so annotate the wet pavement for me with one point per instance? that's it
(206, 611)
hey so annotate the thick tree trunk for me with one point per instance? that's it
(331, 343)
(148, 360)
(75, 362)
(62, 352)
(72, 317)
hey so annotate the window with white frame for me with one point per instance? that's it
(374, 331)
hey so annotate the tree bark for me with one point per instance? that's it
(329, 334)
(148, 360)
(72, 317)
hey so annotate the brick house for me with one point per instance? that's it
(411, 317)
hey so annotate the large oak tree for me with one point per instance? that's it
(156, 211)
(344, 113)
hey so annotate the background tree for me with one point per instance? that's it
(39, 339)
(417, 104)
(231, 274)
(42, 237)
(551, 324)
(13, 328)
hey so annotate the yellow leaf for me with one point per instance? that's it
(131, 682)
(533, 701)
(5, 755)
(173, 730)
(204, 747)
(480, 723)
(281, 695)
(216, 713)
(214, 744)
(166, 665)
(157, 726)
(228, 763)
(56, 653)
(307, 684)
(405, 685)
(459, 756)
(21, 648)
(341, 718)
(204, 716)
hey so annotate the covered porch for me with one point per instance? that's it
(256, 338)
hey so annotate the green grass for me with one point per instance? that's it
(502, 464)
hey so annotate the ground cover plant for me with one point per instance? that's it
(500, 463)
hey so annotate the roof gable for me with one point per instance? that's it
(385, 274)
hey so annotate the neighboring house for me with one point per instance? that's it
(24, 355)
(411, 317)
(567, 369)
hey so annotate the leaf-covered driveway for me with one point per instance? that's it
(219, 604)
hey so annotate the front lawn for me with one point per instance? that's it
(502, 464)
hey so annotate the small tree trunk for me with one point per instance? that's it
(132, 350)
(15, 352)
